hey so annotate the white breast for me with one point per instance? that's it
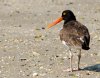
(63, 42)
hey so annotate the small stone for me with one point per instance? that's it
(46, 50)
(42, 39)
(10, 15)
(95, 20)
(28, 75)
(57, 56)
(23, 65)
(65, 57)
(20, 25)
(43, 74)
(72, 75)
(71, 3)
(41, 67)
(57, 76)
(38, 36)
(35, 54)
(38, 61)
(37, 29)
(43, 28)
(48, 11)
(17, 11)
(87, 73)
(99, 39)
(35, 74)
(22, 59)
(95, 54)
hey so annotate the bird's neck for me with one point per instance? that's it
(72, 18)
(65, 22)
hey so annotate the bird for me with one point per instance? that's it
(73, 35)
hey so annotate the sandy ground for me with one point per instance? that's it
(28, 50)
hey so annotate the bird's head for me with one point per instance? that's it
(67, 15)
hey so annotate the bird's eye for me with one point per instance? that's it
(64, 13)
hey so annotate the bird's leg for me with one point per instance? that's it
(71, 57)
(79, 57)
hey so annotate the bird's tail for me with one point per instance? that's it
(85, 45)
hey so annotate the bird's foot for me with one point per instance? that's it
(76, 69)
(71, 70)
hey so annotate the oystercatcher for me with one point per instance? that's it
(73, 34)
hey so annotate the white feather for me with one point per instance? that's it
(81, 39)
(63, 42)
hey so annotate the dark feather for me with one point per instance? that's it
(75, 34)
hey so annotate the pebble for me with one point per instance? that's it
(43, 74)
(37, 29)
(35, 54)
(38, 36)
(88, 73)
(23, 59)
(72, 75)
(41, 67)
(35, 74)
(46, 50)
(43, 28)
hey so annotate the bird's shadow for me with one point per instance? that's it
(95, 68)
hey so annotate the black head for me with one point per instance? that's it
(68, 15)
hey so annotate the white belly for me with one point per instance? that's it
(63, 42)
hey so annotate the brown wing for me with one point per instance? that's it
(75, 34)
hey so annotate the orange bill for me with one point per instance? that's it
(55, 22)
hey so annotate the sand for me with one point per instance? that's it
(29, 50)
